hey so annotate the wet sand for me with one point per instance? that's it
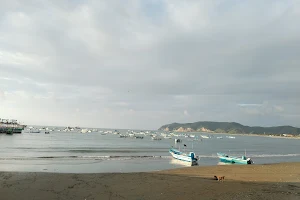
(276, 181)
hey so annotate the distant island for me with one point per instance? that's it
(231, 128)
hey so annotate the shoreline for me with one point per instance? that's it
(274, 181)
(244, 134)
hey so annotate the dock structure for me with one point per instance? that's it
(10, 126)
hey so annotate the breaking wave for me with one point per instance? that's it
(130, 157)
(87, 157)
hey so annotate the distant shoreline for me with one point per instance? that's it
(250, 134)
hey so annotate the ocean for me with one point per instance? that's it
(75, 152)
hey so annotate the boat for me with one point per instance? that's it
(34, 131)
(220, 137)
(204, 136)
(84, 130)
(123, 136)
(191, 157)
(178, 140)
(238, 160)
(131, 135)
(47, 132)
(230, 137)
(155, 138)
(138, 137)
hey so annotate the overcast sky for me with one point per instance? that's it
(145, 63)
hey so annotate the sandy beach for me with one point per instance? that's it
(276, 181)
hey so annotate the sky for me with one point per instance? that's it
(145, 63)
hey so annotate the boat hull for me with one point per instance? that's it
(183, 157)
(234, 160)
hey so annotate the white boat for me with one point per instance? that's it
(84, 130)
(205, 136)
(220, 137)
(191, 157)
(230, 137)
(123, 136)
(131, 134)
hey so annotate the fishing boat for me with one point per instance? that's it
(191, 157)
(230, 159)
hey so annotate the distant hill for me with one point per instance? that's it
(229, 127)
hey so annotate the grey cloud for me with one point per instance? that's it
(115, 64)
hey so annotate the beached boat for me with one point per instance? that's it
(191, 157)
(230, 159)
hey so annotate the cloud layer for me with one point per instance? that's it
(141, 64)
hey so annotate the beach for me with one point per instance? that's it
(273, 181)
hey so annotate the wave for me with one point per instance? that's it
(86, 157)
(275, 155)
(130, 157)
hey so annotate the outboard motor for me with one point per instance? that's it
(249, 161)
(194, 159)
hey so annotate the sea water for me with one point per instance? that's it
(75, 152)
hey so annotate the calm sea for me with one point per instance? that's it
(74, 152)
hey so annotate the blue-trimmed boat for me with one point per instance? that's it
(191, 157)
(230, 159)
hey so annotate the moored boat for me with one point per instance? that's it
(230, 159)
(191, 157)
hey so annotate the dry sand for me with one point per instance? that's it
(276, 181)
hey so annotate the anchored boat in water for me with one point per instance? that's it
(191, 157)
(230, 159)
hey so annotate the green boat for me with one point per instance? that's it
(230, 159)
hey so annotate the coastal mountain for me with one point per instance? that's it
(229, 127)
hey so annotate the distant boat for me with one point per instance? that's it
(191, 157)
(178, 140)
(84, 130)
(47, 132)
(220, 137)
(204, 136)
(230, 137)
(230, 159)
(138, 137)
(34, 131)
(131, 135)
(155, 138)
(123, 136)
